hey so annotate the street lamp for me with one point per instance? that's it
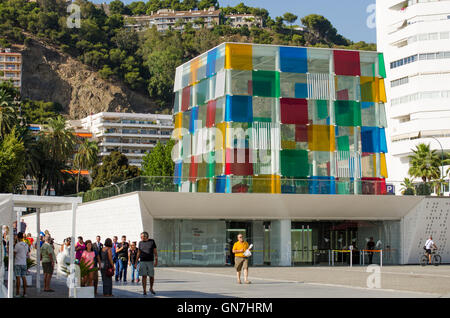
(442, 162)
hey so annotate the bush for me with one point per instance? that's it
(423, 189)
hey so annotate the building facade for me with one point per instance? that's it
(166, 19)
(275, 119)
(239, 20)
(414, 36)
(130, 133)
(11, 67)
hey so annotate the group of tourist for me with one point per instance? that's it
(112, 259)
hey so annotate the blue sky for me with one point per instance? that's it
(348, 16)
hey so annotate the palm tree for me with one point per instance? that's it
(85, 158)
(424, 163)
(8, 112)
(408, 187)
(58, 144)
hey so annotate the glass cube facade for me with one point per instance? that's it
(277, 119)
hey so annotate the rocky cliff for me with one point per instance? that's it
(51, 75)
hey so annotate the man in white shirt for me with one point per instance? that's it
(429, 244)
(20, 263)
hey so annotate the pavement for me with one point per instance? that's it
(286, 282)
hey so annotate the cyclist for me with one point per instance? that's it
(429, 244)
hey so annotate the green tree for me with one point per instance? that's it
(158, 162)
(8, 109)
(408, 187)
(116, 7)
(114, 168)
(206, 4)
(58, 144)
(85, 158)
(12, 163)
(290, 18)
(424, 163)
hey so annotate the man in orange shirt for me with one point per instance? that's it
(240, 260)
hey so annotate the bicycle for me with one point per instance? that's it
(435, 258)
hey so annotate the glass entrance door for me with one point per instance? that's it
(233, 229)
(301, 244)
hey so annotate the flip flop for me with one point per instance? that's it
(248, 282)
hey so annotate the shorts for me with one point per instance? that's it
(428, 251)
(240, 262)
(20, 270)
(47, 267)
(146, 269)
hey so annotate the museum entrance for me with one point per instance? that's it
(233, 228)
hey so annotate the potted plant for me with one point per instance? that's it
(82, 271)
(30, 264)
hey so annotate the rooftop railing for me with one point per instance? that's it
(242, 184)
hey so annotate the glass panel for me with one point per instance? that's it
(241, 82)
(239, 56)
(238, 162)
(321, 138)
(294, 111)
(202, 115)
(318, 112)
(186, 98)
(320, 86)
(368, 114)
(266, 184)
(293, 85)
(347, 88)
(266, 83)
(264, 109)
(348, 113)
(347, 63)
(202, 91)
(177, 102)
(293, 60)
(220, 110)
(320, 163)
(264, 57)
(318, 61)
(262, 162)
(294, 163)
(239, 108)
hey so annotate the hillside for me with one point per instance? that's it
(51, 75)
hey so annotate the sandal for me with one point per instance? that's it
(248, 282)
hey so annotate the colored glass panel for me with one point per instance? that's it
(238, 162)
(293, 85)
(266, 184)
(293, 60)
(178, 125)
(210, 113)
(294, 111)
(177, 172)
(343, 143)
(211, 63)
(318, 61)
(220, 110)
(186, 98)
(266, 83)
(381, 65)
(321, 138)
(193, 120)
(322, 185)
(239, 108)
(348, 113)
(202, 91)
(195, 64)
(294, 163)
(239, 56)
(373, 139)
(346, 63)
(301, 133)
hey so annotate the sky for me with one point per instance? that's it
(349, 17)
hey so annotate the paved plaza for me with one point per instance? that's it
(288, 282)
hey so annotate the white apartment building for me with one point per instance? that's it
(11, 67)
(414, 36)
(132, 134)
(239, 20)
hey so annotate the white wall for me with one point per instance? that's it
(118, 216)
(430, 217)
